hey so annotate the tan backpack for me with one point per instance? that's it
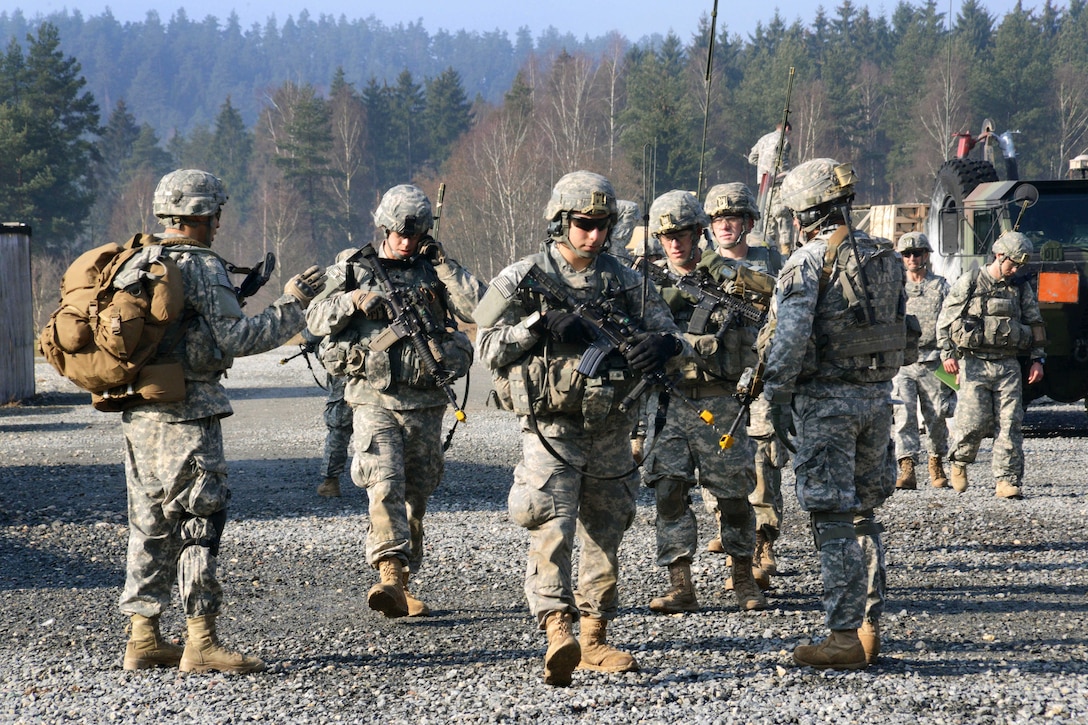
(116, 303)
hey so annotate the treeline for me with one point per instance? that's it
(887, 94)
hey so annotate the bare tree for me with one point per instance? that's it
(348, 158)
(1071, 102)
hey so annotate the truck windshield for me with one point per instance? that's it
(1058, 217)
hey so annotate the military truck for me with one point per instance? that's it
(977, 198)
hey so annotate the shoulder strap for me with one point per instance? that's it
(832, 254)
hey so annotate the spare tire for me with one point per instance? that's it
(957, 178)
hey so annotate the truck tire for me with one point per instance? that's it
(957, 178)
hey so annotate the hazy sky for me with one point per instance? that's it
(633, 18)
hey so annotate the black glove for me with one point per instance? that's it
(650, 351)
(782, 422)
(431, 250)
(567, 327)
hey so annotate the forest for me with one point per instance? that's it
(309, 121)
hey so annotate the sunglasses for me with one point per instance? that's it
(588, 225)
(914, 252)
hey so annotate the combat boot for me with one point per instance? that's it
(416, 608)
(937, 477)
(762, 578)
(1006, 489)
(563, 651)
(907, 481)
(842, 650)
(749, 597)
(387, 596)
(681, 598)
(714, 546)
(204, 653)
(329, 488)
(596, 654)
(146, 648)
(959, 477)
(869, 635)
(765, 558)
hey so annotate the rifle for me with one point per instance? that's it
(615, 331)
(438, 210)
(255, 277)
(713, 304)
(307, 347)
(777, 157)
(408, 323)
(749, 387)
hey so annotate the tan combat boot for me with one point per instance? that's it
(937, 477)
(869, 635)
(1006, 489)
(329, 488)
(204, 653)
(146, 647)
(959, 477)
(416, 608)
(749, 597)
(714, 546)
(842, 650)
(563, 651)
(681, 598)
(907, 481)
(596, 654)
(387, 596)
(762, 578)
(765, 558)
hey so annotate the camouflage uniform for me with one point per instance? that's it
(687, 451)
(844, 466)
(987, 323)
(397, 408)
(764, 153)
(338, 429)
(550, 498)
(174, 465)
(916, 385)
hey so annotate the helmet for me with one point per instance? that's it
(406, 210)
(675, 210)
(584, 192)
(913, 240)
(188, 193)
(626, 221)
(1013, 245)
(734, 199)
(817, 183)
(638, 249)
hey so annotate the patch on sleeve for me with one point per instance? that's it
(790, 282)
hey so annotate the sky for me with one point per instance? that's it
(633, 18)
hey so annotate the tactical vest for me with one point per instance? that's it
(924, 302)
(854, 341)
(544, 381)
(348, 351)
(990, 322)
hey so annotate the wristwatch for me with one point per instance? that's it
(1040, 360)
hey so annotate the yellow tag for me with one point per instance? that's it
(707, 417)
(459, 415)
(726, 442)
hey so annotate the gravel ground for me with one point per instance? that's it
(987, 616)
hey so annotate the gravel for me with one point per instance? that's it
(986, 622)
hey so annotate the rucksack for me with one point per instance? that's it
(116, 303)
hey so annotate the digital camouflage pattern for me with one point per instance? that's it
(174, 468)
(404, 209)
(989, 402)
(675, 210)
(584, 192)
(763, 154)
(338, 428)
(187, 193)
(397, 409)
(915, 384)
(733, 199)
(844, 467)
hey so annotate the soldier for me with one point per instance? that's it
(916, 385)
(764, 154)
(576, 473)
(337, 437)
(778, 227)
(686, 444)
(397, 405)
(835, 339)
(174, 463)
(733, 214)
(988, 318)
(626, 220)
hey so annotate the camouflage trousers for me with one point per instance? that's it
(177, 500)
(398, 460)
(990, 403)
(555, 502)
(770, 457)
(920, 390)
(686, 453)
(338, 417)
(845, 469)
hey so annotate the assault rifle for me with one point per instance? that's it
(255, 277)
(749, 387)
(410, 324)
(615, 332)
(713, 304)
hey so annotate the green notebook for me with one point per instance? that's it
(947, 378)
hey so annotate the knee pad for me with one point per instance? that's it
(213, 533)
(736, 512)
(865, 524)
